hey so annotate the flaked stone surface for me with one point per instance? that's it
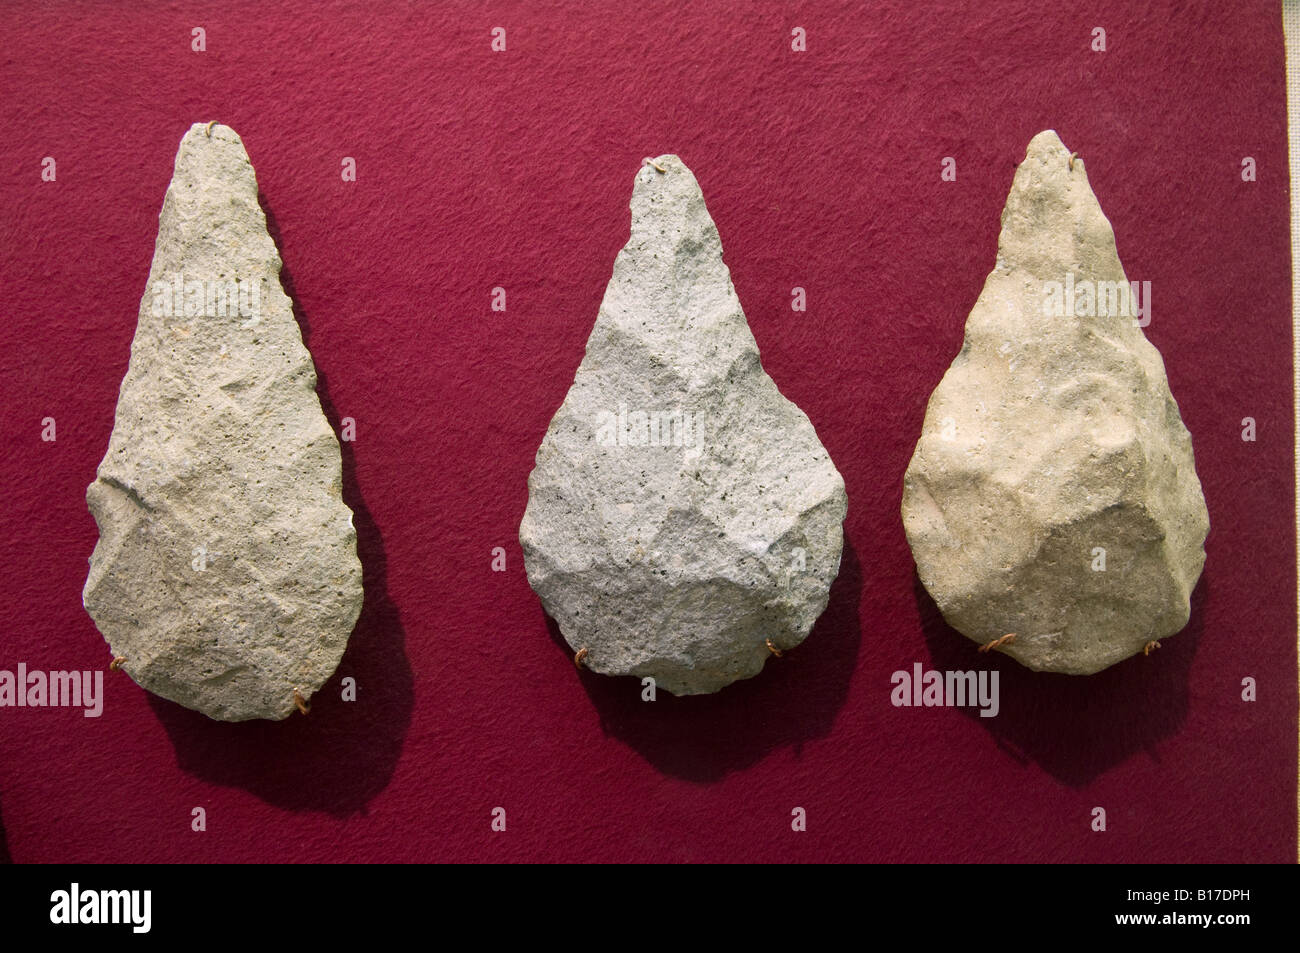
(226, 570)
(1053, 447)
(682, 512)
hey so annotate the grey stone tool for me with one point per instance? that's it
(226, 575)
(683, 521)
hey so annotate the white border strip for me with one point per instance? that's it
(1291, 29)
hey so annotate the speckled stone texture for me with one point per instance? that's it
(226, 571)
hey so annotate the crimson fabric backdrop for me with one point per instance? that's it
(478, 169)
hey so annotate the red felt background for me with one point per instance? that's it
(479, 169)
